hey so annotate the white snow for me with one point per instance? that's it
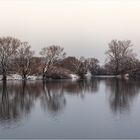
(15, 77)
(12, 77)
(74, 76)
(88, 75)
(32, 77)
(126, 76)
(19, 77)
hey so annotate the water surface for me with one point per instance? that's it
(96, 108)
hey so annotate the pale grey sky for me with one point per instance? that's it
(82, 27)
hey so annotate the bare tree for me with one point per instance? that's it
(121, 56)
(51, 55)
(23, 59)
(73, 64)
(83, 68)
(79, 66)
(8, 48)
(93, 65)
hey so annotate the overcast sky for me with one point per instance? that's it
(82, 27)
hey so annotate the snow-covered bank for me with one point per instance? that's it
(12, 77)
(32, 77)
(88, 75)
(74, 76)
(71, 76)
(19, 77)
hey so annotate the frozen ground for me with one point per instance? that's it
(31, 77)
(19, 77)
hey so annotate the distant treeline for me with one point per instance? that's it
(17, 57)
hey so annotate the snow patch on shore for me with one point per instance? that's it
(19, 77)
(12, 77)
(31, 77)
(88, 75)
(74, 76)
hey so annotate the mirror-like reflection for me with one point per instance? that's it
(16, 101)
(53, 95)
(53, 98)
(122, 92)
(19, 100)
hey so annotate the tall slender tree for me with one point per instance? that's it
(23, 59)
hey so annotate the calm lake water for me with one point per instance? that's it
(97, 108)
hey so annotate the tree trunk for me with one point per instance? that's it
(82, 76)
(24, 76)
(4, 93)
(44, 76)
(117, 67)
(4, 75)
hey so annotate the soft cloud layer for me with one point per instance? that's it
(83, 27)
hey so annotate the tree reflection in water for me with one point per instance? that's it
(82, 87)
(52, 98)
(17, 99)
(122, 92)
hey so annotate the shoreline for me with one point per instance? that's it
(16, 77)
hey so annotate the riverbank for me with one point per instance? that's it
(32, 77)
(72, 77)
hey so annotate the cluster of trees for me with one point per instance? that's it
(15, 56)
(18, 57)
(121, 57)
